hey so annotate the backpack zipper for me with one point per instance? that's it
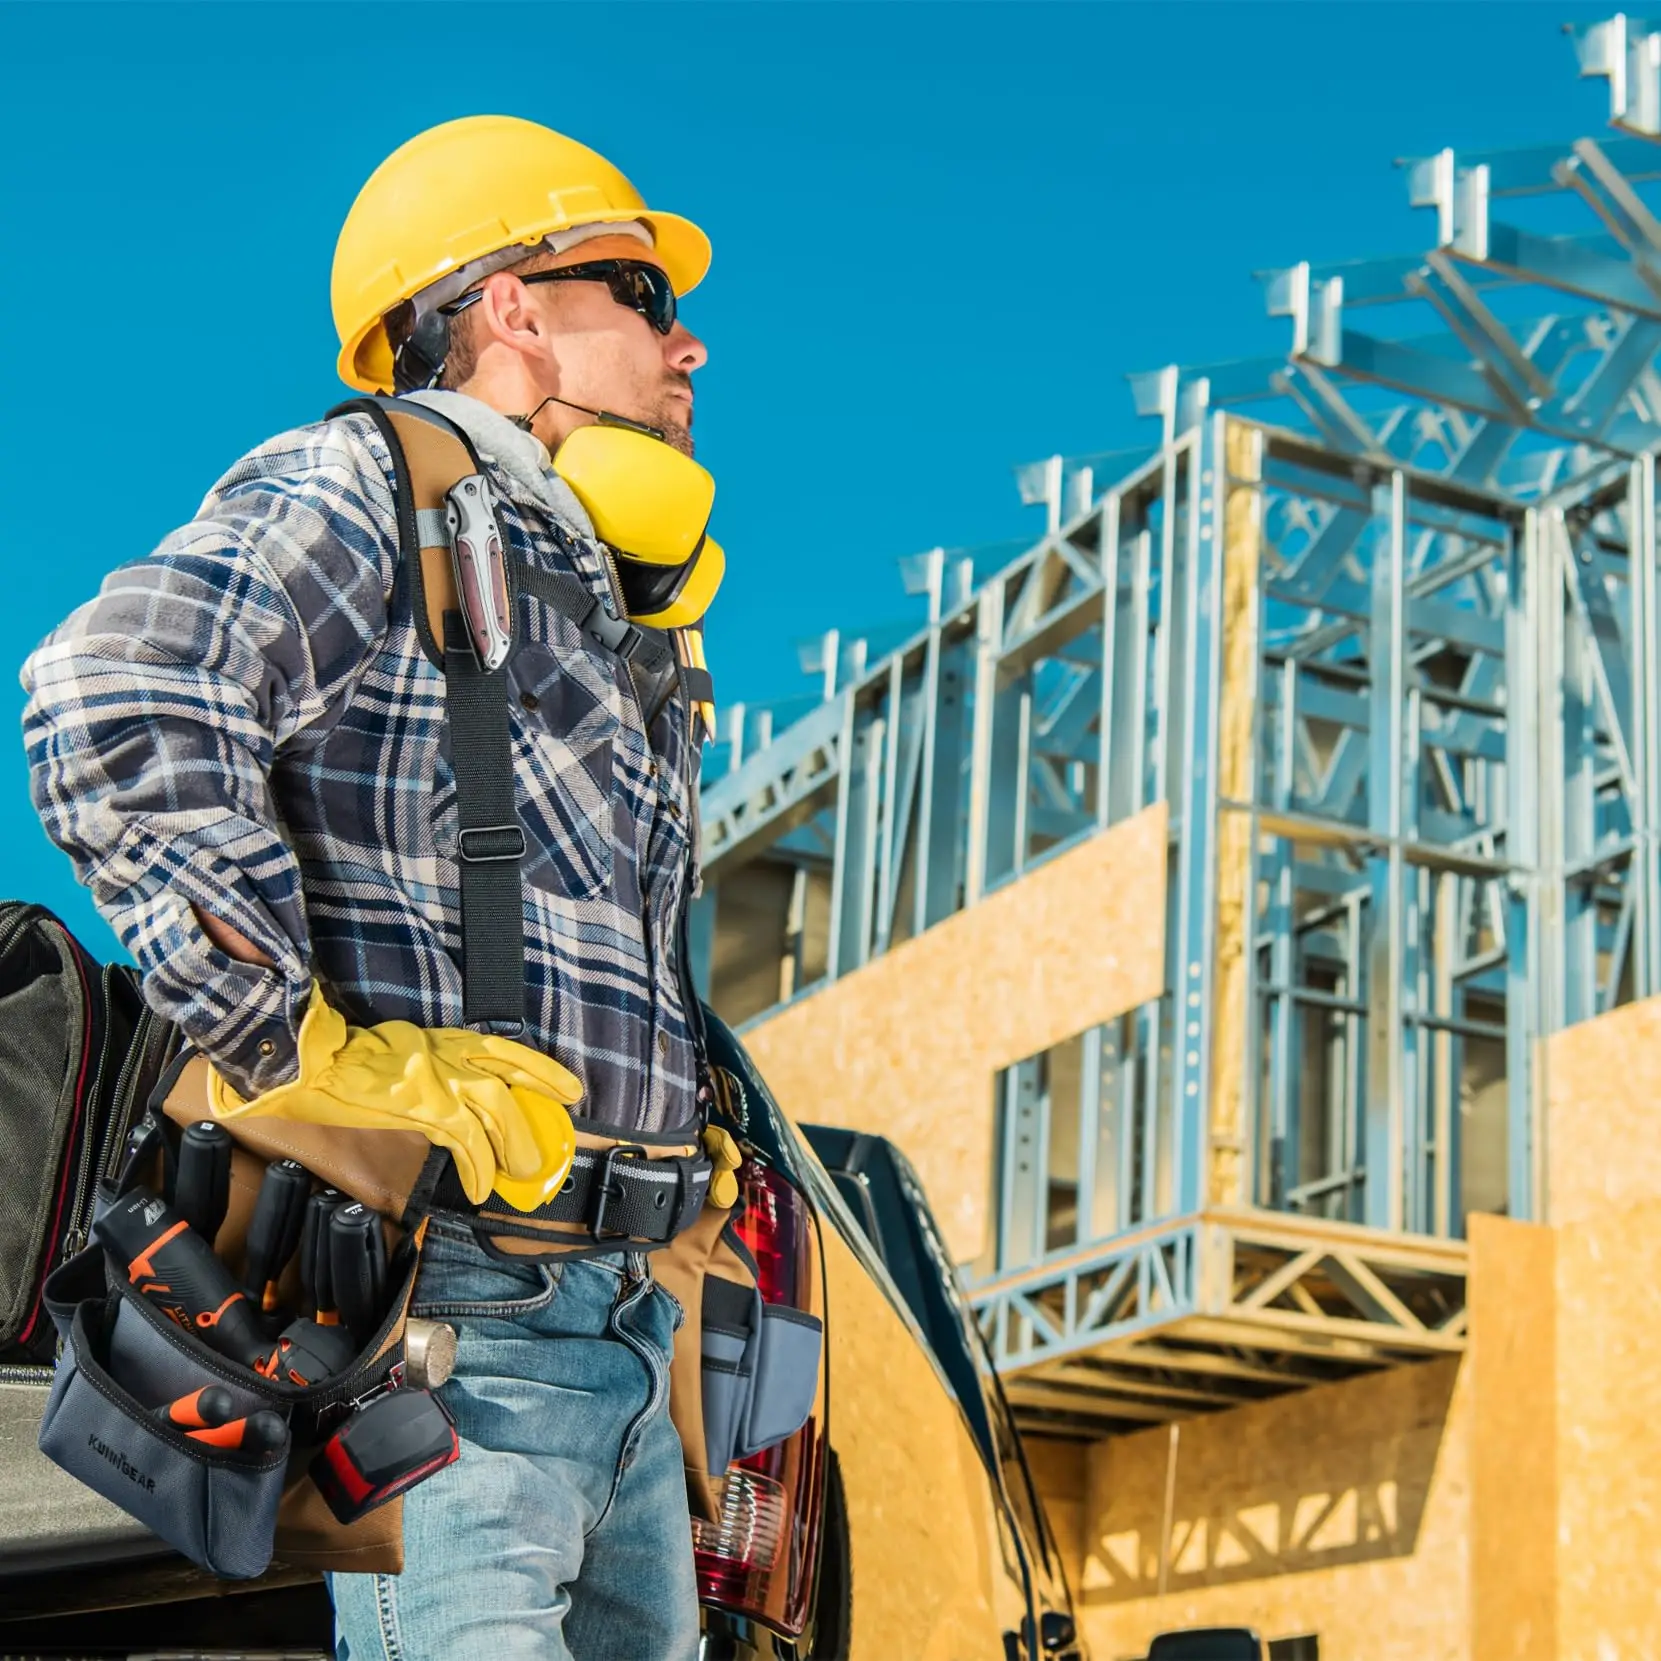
(77, 1127)
(94, 1166)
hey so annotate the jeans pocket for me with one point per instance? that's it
(458, 1278)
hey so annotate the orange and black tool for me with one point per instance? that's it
(201, 1410)
(174, 1268)
(262, 1432)
(274, 1229)
(307, 1353)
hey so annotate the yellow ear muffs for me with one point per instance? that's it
(645, 498)
(650, 505)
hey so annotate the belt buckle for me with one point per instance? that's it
(606, 1189)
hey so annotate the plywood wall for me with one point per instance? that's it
(1340, 1511)
(910, 1044)
(1603, 1112)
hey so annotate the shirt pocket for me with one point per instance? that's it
(563, 721)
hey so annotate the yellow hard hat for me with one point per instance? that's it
(469, 188)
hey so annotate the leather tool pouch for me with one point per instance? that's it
(229, 1512)
(745, 1374)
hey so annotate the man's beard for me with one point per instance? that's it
(678, 438)
(670, 422)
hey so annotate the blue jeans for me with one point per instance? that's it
(562, 1531)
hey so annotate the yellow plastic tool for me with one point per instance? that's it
(726, 1156)
(499, 1107)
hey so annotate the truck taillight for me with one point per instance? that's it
(758, 1559)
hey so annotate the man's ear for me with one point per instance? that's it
(507, 314)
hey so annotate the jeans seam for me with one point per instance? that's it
(657, 1378)
(386, 1612)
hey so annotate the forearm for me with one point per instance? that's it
(155, 717)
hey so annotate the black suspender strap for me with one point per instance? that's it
(490, 842)
(571, 597)
(430, 453)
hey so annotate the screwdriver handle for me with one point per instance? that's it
(262, 1432)
(203, 1191)
(274, 1229)
(316, 1273)
(200, 1410)
(357, 1252)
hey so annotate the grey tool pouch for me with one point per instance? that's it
(122, 1359)
(216, 1506)
(760, 1371)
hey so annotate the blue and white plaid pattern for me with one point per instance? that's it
(245, 721)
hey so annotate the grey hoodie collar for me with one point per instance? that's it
(522, 457)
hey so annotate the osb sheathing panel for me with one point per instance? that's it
(1609, 1434)
(1341, 1511)
(1236, 758)
(1060, 1472)
(909, 1044)
(927, 1557)
(1603, 1081)
(1513, 1366)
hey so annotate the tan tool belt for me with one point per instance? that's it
(400, 1175)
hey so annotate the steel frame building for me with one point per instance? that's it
(1377, 620)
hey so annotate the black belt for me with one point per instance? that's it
(616, 1193)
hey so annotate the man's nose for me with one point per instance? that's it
(683, 351)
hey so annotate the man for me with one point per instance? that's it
(241, 745)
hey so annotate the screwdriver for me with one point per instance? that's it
(357, 1254)
(201, 1410)
(262, 1432)
(274, 1231)
(204, 1185)
(316, 1278)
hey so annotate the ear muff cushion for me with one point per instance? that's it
(695, 595)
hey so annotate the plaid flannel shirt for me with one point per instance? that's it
(245, 722)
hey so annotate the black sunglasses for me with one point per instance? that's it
(640, 286)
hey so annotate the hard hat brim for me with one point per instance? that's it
(365, 361)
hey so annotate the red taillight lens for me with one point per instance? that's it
(758, 1559)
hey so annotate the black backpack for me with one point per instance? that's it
(79, 1055)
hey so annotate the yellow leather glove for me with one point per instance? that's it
(499, 1107)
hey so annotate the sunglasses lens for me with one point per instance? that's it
(652, 296)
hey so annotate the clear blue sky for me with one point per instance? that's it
(943, 234)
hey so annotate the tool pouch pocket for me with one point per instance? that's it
(215, 1506)
(123, 1358)
(745, 1374)
(760, 1371)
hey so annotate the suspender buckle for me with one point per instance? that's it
(607, 1189)
(616, 634)
(492, 844)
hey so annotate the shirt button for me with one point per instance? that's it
(663, 1043)
(267, 1047)
(530, 701)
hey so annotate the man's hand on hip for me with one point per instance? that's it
(231, 941)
